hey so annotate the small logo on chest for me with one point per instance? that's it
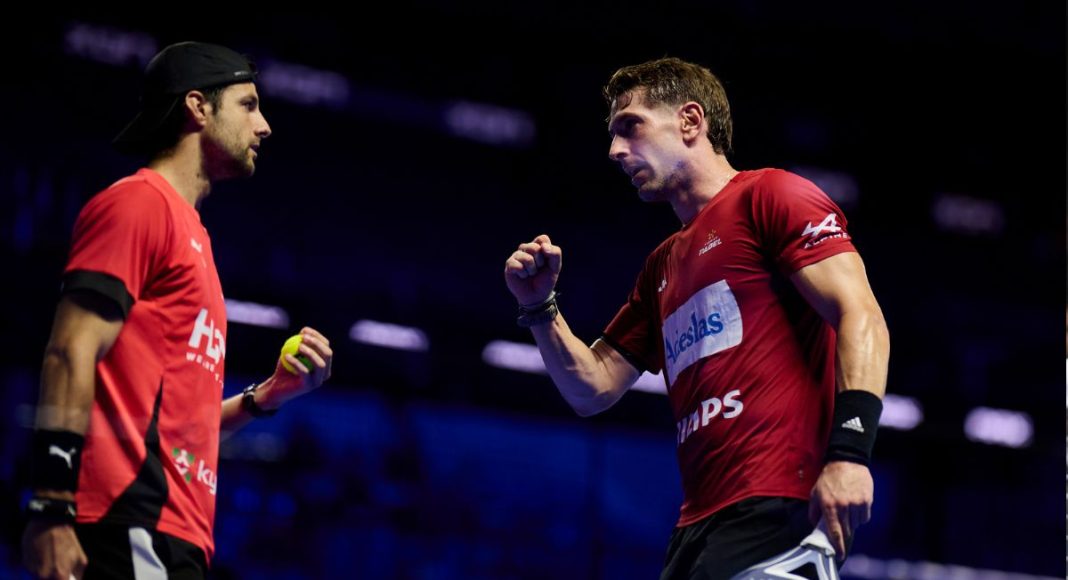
(713, 241)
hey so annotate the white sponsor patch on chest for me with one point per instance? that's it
(708, 323)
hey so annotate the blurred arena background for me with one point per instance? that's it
(413, 149)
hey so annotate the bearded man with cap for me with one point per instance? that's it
(125, 449)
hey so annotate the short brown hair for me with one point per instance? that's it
(674, 81)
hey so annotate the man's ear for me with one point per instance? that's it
(692, 120)
(197, 108)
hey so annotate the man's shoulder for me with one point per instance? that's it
(134, 195)
(771, 179)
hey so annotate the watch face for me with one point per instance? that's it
(248, 403)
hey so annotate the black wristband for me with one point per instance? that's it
(544, 304)
(56, 459)
(51, 509)
(856, 419)
(540, 313)
(248, 403)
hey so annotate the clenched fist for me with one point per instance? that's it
(532, 270)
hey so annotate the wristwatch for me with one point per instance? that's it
(248, 403)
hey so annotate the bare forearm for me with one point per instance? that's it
(85, 328)
(292, 378)
(66, 397)
(863, 351)
(234, 416)
(590, 379)
(68, 378)
(578, 371)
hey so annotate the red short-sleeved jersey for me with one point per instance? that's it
(152, 448)
(748, 363)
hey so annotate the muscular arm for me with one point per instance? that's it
(838, 289)
(84, 330)
(591, 379)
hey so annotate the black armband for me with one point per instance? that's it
(56, 459)
(104, 285)
(856, 418)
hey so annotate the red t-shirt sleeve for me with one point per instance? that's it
(633, 331)
(119, 244)
(796, 222)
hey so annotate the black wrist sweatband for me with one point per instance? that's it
(56, 458)
(51, 509)
(856, 419)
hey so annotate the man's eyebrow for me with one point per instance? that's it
(614, 122)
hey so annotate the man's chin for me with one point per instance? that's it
(246, 169)
(236, 171)
(649, 194)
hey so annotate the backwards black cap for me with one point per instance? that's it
(177, 69)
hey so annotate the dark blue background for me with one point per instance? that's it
(434, 465)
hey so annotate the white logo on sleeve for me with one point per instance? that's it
(708, 323)
(828, 229)
(196, 245)
(829, 224)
